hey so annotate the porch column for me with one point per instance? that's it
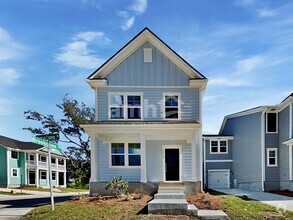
(94, 160)
(290, 162)
(143, 178)
(65, 179)
(193, 158)
(37, 170)
(57, 178)
(8, 167)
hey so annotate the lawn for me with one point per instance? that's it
(13, 194)
(63, 190)
(109, 208)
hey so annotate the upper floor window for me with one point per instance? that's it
(272, 157)
(43, 158)
(272, 122)
(218, 147)
(53, 160)
(125, 154)
(125, 106)
(14, 154)
(171, 106)
(61, 162)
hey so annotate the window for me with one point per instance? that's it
(43, 174)
(218, 147)
(43, 158)
(32, 157)
(14, 154)
(134, 154)
(171, 106)
(53, 160)
(125, 154)
(61, 162)
(125, 106)
(53, 175)
(272, 157)
(14, 172)
(272, 122)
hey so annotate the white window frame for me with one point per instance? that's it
(164, 105)
(55, 173)
(268, 157)
(125, 105)
(17, 153)
(219, 146)
(41, 174)
(277, 118)
(126, 154)
(17, 172)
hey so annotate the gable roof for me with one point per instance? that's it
(20, 145)
(145, 35)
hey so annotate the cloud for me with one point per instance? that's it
(77, 53)
(138, 7)
(266, 13)
(228, 81)
(9, 76)
(250, 64)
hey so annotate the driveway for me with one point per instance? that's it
(283, 202)
(14, 207)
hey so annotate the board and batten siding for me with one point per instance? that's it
(284, 149)
(133, 71)
(246, 148)
(153, 101)
(221, 156)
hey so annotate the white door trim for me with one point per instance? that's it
(220, 170)
(180, 161)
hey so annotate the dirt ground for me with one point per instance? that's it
(283, 192)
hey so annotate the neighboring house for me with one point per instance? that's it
(26, 163)
(261, 147)
(148, 124)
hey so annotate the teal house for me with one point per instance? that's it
(26, 164)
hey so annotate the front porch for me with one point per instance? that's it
(165, 152)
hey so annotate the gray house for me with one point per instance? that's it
(261, 149)
(148, 124)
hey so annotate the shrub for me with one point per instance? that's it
(117, 186)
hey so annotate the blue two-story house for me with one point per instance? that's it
(148, 125)
(259, 155)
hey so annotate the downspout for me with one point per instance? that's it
(204, 161)
(264, 109)
(200, 138)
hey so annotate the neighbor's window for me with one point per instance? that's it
(32, 157)
(53, 160)
(117, 154)
(14, 154)
(125, 106)
(134, 154)
(43, 158)
(272, 122)
(53, 175)
(272, 157)
(125, 154)
(219, 147)
(43, 174)
(14, 172)
(171, 106)
(61, 162)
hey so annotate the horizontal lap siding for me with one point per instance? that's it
(153, 100)
(284, 149)
(272, 141)
(246, 146)
(133, 71)
(210, 156)
(106, 173)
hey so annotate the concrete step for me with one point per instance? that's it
(170, 191)
(192, 210)
(170, 186)
(168, 206)
(170, 195)
(212, 214)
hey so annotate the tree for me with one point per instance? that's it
(75, 137)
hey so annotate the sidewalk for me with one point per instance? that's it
(278, 201)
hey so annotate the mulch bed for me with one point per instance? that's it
(283, 192)
(205, 201)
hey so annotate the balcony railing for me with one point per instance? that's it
(43, 164)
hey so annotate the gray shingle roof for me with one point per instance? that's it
(15, 144)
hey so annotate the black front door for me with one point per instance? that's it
(172, 164)
(32, 177)
(61, 179)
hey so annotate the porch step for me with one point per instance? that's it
(212, 214)
(168, 206)
(192, 210)
(171, 186)
(170, 195)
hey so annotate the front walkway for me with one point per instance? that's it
(283, 202)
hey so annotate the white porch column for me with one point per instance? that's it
(37, 170)
(193, 158)
(143, 177)
(94, 160)
(8, 167)
(65, 179)
(25, 168)
(290, 162)
(57, 178)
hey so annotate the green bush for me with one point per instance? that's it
(117, 186)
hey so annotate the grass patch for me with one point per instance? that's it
(63, 190)
(13, 194)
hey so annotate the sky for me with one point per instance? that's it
(49, 47)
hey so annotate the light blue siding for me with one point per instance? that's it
(3, 166)
(18, 164)
(219, 166)
(284, 149)
(106, 173)
(152, 101)
(246, 147)
(133, 71)
(210, 156)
